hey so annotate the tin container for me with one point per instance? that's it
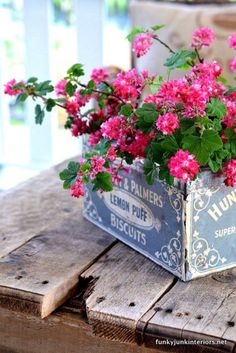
(190, 230)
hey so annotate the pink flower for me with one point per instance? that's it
(142, 44)
(232, 65)
(81, 99)
(111, 154)
(60, 88)
(183, 166)
(77, 189)
(167, 123)
(97, 165)
(99, 75)
(202, 37)
(94, 138)
(232, 41)
(129, 85)
(111, 128)
(134, 143)
(72, 108)
(230, 172)
(79, 127)
(10, 90)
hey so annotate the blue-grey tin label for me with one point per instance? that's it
(148, 218)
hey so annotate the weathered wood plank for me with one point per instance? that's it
(45, 244)
(31, 207)
(62, 332)
(200, 309)
(126, 285)
(41, 274)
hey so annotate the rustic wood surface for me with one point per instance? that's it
(53, 246)
(120, 301)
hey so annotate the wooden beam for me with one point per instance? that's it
(66, 331)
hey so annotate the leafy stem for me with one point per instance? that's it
(163, 43)
(108, 94)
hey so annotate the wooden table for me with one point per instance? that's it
(68, 287)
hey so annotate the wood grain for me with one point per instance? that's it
(31, 207)
(127, 284)
(65, 331)
(45, 245)
(200, 309)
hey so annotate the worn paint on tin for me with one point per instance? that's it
(190, 231)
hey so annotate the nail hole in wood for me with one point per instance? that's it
(157, 309)
(230, 323)
(187, 313)
(18, 277)
(132, 304)
(100, 299)
(199, 317)
(179, 314)
(169, 311)
(45, 282)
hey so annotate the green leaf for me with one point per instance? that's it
(18, 85)
(223, 80)
(32, 80)
(103, 146)
(157, 152)
(170, 144)
(73, 167)
(44, 87)
(21, 97)
(231, 90)
(147, 112)
(150, 171)
(103, 181)
(85, 166)
(70, 88)
(50, 104)
(230, 134)
(39, 114)
(216, 160)
(157, 27)
(216, 108)
(126, 110)
(231, 147)
(91, 84)
(164, 174)
(180, 58)
(187, 126)
(69, 174)
(202, 146)
(76, 70)
(134, 32)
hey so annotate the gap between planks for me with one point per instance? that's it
(127, 285)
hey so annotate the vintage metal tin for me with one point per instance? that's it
(190, 231)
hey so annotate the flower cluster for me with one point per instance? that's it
(202, 37)
(167, 123)
(232, 45)
(183, 125)
(230, 172)
(142, 44)
(183, 165)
